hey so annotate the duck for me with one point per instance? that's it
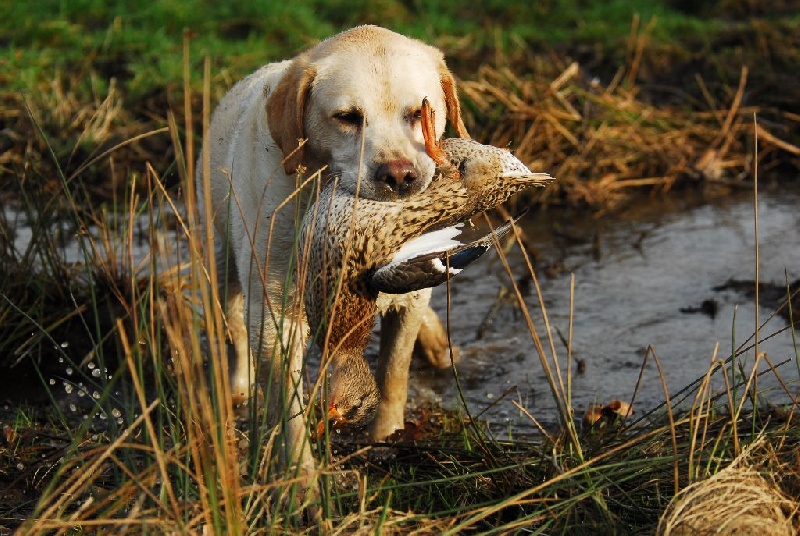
(357, 248)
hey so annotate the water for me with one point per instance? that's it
(634, 273)
(633, 276)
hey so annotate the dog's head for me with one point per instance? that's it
(356, 99)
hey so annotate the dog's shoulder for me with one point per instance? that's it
(254, 87)
(239, 120)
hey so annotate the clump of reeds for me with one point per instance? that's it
(63, 135)
(740, 499)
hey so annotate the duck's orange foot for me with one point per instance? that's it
(432, 147)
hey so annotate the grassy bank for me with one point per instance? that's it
(556, 81)
(140, 45)
(127, 431)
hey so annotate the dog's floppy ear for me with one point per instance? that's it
(285, 111)
(451, 101)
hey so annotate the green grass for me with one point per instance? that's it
(140, 44)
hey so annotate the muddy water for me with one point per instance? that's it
(637, 276)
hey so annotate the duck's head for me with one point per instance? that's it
(483, 169)
(353, 394)
(480, 164)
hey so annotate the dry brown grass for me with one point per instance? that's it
(57, 136)
(742, 499)
(604, 142)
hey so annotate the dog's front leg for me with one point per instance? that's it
(294, 422)
(278, 340)
(242, 369)
(282, 350)
(402, 316)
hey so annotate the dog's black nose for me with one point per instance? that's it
(399, 175)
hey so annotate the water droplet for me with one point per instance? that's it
(116, 412)
(81, 392)
(72, 407)
(96, 395)
(52, 381)
(64, 344)
(96, 373)
(20, 466)
(69, 371)
(60, 359)
(68, 387)
(119, 421)
(91, 365)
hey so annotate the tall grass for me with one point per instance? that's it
(173, 455)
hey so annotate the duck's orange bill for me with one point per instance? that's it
(335, 420)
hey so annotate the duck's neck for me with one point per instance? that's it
(339, 305)
(348, 324)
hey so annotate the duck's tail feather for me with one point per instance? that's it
(528, 178)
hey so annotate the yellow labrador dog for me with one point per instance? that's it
(350, 107)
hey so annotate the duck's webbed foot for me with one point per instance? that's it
(432, 146)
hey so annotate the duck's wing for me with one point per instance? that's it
(431, 259)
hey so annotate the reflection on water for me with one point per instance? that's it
(633, 276)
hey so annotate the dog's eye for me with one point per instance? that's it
(353, 118)
(415, 115)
